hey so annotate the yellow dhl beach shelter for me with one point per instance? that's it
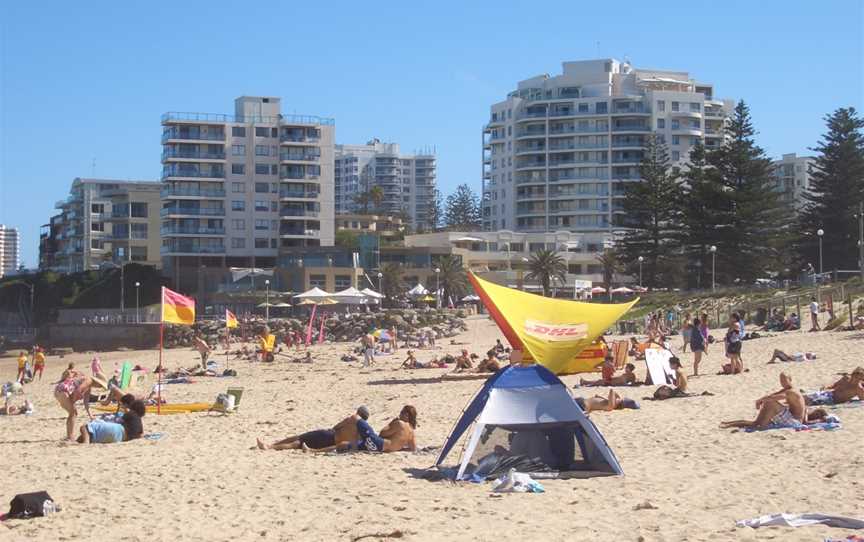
(551, 332)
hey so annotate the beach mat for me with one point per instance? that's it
(174, 408)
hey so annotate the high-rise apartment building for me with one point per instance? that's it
(10, 250)
(238, 189)
(559, 150)
(102, 221)
(407, 181)
(792, 178)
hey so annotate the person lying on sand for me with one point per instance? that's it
(104, 432)
(628, 378)
(797, 356)
(610, 403)
(302, 359)
(842, 391)
(490, 364)
(12, 410)
(680, 378)
(783, 408)
(343, 433)
(397, 436)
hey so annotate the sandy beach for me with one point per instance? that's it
(685, 479)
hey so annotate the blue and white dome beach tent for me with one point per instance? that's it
(526, 411)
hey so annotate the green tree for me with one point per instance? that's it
(346, 239)
(609, 265)
(652, 216)
(376, 198)
(363, 200)
(544, 266)
(462, 212)
(750, 247)
(706, 216)
(436, 212)
(835, 194)
(451, 277)
(392, 282)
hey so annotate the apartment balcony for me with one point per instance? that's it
(716, 114)
(180, 250)
(530, 211)
(522, 134)
(191, 193)
(526, 116)
(302, 139)
(628, 144)
(289, 212)
(538, 179)
(170, 154)
(176, 135)
(539, 149)
(623, 160)
(635, 127)
(180, 230)
(575, 177)
(175, 117)
(298, 157)
(573, 194)
(178, 173)
(687, 114)
(495, 122)
(530, 196)
(531, 165)
(638, 112)
(191, 211)
(687, 130)
(299, 232)
(299, 194)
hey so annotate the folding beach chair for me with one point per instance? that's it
(237, 394)
(619, 350)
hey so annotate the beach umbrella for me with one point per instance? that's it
(598, 290)
(427, 298)
(622, 290)
(262, 305)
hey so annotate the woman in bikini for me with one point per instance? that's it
(75, 387)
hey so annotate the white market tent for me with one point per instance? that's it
(350, 296)
(418, 290)
(314, 293)
(371, 293)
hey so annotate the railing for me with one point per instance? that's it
(192, 249)
(576, 130)
(176, 230)
(303, 194)
(298, 213)
(631, 128)
(530, 133)
(212, 174)
(176, 153)
(168, 192)
(196, 136)
(622, 160)
(197, 211)
(301, 157)
(306, 233)
(532, 115)
(217, 117)
(291, 138)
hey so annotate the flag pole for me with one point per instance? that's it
(160, 368)
(227, 340)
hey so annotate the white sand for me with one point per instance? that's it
(203, 482)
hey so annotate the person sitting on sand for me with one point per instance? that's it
(266, 344)
(105, 432)
(463, 362)
(844, 390)
(12, 410)
(784, 408)
(397, 436)
(797, 356)
(610, 403)
(410, 362)
(499, 347)
(628, 378)
(680, 379)
(343, 433)
(490, 364)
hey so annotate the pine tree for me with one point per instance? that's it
(436, 211)
(835, 194)
(462, 212)
(651, 213)
(705, 217)
(751, 247)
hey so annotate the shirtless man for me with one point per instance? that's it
(490, 364)
(610, 403)
(783, 408)
(842, 391)
(397, 436)
(368, 345)
(203, 349)
(463, 362)
(680, 377)
(626, 379)
(343, 433)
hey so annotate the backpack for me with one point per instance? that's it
(28, 505)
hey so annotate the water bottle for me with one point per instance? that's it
(48, 507)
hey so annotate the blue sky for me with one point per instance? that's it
(89, 80)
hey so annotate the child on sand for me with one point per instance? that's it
(22, 366)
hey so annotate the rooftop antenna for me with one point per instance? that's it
(93, 168)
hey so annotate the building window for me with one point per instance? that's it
(97, 208)
(661, 105)
(262, 150)
(274, 188)
(139, 231)
(274, 206)
(138, 209)
(261, 242)
(675, 106)
(262, 132)
(97, 226)
(261, 188)
(238, 224)
(238, 188)
(583, 108)
(238, 205)
(661, 123)
(676, 156)
(238, 131)
(601, 107)
(262, 169)
(694, 123)
(261, 224)
(238, 242)
(695, 106)
(676, 140)
(274, 169)
(342, 282)
(261, 205)
(238, 169)
(675, 124)
(274, 132)
(238, 150)
(319, 281)
(274, 243)
(138, 254)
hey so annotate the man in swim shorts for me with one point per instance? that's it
(344, 432)
(842, 391)
(784, 408)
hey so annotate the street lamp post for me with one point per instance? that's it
(137, 303)
(267, 301)
(122, 289)
(820, 232)
(713, 260)
(641, 259)
(381, 287)
(437, 287)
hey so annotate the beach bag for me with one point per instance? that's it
(28, 505)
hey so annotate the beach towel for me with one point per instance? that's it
(516, 482)
(830, 423)
(802, 520)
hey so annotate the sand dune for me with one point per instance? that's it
(202, 481)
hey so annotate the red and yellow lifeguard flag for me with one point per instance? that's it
(230, 319)
(551, 332)
(176, 308)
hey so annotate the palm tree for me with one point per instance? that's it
(451, 277)
(362, 199)
(392, 282)
(545, 266)
(609, 262)
(376, 197)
